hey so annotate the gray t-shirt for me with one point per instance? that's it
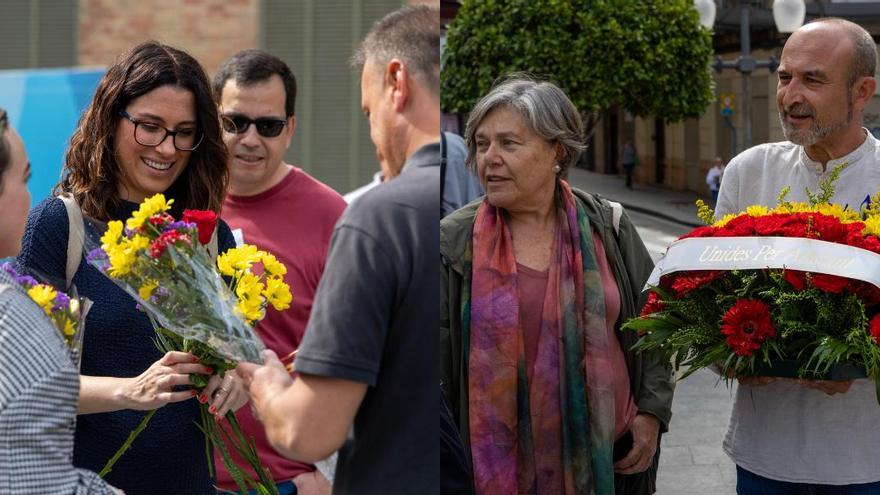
(374, 321)
(785, 431)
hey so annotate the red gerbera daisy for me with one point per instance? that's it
(747, 325)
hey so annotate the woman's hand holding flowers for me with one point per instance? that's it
(155, 387)
(224, 394)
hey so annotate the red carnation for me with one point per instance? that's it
(654, 304)
(157, 247)
(747, 325)
(205, 220)
(874, 328)
(829, 283)
(828, 228)
(779, 225)
(741, 226)
(693, 280)
(797, 279)
(705, 231)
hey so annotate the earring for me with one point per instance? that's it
(557, 169)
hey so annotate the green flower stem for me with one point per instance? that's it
(128, 441)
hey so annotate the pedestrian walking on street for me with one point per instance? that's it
(536, 279)
(713, 178)
(629, 159)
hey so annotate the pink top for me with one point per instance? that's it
(532, 284)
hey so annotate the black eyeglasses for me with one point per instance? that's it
(150, 134)
(266, 126)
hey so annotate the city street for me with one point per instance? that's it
(691, 459)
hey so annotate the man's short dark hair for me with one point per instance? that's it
(411, 34)
(253, 66)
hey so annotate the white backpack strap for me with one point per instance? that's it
(75, 236)
(616, 213)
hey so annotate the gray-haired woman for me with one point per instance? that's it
(538, 277)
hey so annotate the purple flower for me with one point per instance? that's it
(26, 280)
(179, 225)
(10, 270)
(96, 254)
(62, 302)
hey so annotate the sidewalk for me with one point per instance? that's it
(653, 200)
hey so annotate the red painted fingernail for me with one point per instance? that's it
(210, 370)
(203, 398)
(212, 409)
(195, 359)
(193, 392)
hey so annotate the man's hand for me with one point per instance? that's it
(313, 483)
(644, 430)
(265, 382)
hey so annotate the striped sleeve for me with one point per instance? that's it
(39, 389)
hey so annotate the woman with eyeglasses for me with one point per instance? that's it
(40, 383)
(152, 127)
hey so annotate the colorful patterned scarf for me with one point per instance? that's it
(555, 435)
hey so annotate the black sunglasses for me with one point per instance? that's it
(266, 126)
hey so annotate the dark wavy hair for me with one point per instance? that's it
(91, 172)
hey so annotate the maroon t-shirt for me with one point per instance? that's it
(531, 286)
(294, 221)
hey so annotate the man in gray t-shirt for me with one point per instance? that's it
(368, 374)
(800, 436)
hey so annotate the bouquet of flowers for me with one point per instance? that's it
(67, 312)
(165, 266)
(763, 290)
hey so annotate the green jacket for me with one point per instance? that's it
(650, 376)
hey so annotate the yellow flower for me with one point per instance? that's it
(277, 293)
(723, 221)
(237, 259)
(251, 312)
(248, 288)
(43, 295)
(120, 261)
(272, 266)
(837, 211)
(148, 208)
(112, 235)
(69, 329)
(147, 289)
(872, 226)
(757, 210)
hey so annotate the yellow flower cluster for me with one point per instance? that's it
(834, 210)
(44, 295)
(150, 206)
(121, 251)
(253, 294)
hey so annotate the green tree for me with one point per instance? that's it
(650, 57)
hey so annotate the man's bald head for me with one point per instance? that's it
(864, 50)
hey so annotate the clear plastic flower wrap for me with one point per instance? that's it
(195, 304)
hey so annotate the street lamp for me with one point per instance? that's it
(788, 16)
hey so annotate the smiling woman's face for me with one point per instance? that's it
(148, 170)
(515, 165)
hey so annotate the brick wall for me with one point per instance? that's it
(209, 30)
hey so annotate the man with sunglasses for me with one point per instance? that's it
(277, 207)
